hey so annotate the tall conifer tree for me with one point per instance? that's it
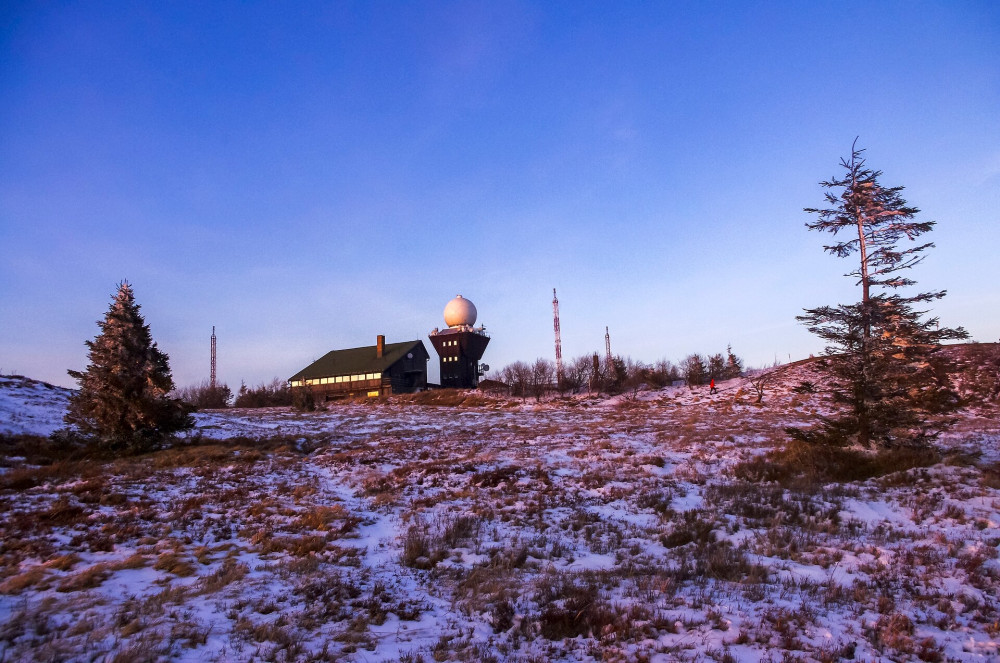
(734, 365)
(888, 375)
(122, 401)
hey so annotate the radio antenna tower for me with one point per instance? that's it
(212, 379)
(555, 323)
(607, 350)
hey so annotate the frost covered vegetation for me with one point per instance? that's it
(674, 525)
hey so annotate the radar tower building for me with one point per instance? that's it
(461, 345)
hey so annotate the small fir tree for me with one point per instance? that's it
(596, 380)
(216, 397)
(694, 370)
(617, 375)
(122, 402)
(882, 355)
(734, 365)
(303, 399)
(716, 367)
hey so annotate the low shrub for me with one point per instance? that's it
(23, 478)
(691, 529)
(724, 562)
(658, 500)
(460, 529)
(803, 463)
(506, 474)
(303, 399)
(991, 475)
(441, 397)
(275, 394)
(418, 549)
(571, 607)
(39, 450)
(205, 395)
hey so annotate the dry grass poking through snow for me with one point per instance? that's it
(674, 526)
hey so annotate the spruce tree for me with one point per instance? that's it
(716, 366)
(617, 375)
(694, 370)
(734, 365)
(882, 355)
(122, 403)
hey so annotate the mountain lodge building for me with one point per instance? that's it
(375, 370)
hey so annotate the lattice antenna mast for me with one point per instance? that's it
(555, 323)
(212, 378)
(607, 350)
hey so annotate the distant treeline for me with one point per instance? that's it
(593, 374)
(204, 396)
(589, 373)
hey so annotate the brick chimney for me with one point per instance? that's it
(379, 346)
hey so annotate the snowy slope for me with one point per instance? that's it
(30, 406)
(573, 530)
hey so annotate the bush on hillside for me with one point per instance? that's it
(274, 394)
(205, 396)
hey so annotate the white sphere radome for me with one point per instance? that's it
(460, 311)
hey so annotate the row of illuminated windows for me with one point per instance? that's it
(449, 359)
(357, 377)
(450, 344)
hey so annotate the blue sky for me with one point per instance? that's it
(305, 176)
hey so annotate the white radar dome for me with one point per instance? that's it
(459, 312)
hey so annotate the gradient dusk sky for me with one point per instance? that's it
(305, 176)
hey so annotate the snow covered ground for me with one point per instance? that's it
(29, 406)
(578, 529)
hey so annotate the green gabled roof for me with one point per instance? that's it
(357, 360)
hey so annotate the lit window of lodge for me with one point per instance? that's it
(339, 379)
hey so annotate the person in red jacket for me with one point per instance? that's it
(711, 387)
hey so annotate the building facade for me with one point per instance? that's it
(460, 346)
(375, 370)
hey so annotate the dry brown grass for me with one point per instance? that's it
(62, 562)
(803, 464)
(62, 512)
(322, 518)
(174, 563)
(33, 578)
(89, 578)
(193, 456)
(451, 398)
(231, 571)
(297, 546)
(440, 397)
(134, 561)
(991, 475)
